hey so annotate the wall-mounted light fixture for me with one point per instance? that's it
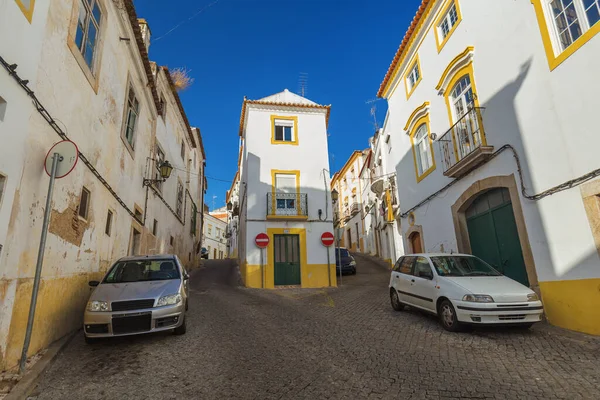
(165, 169)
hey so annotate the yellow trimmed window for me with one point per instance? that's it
(422, 147)
(284, 130)
(446, 24)
(566, 25)
(412, 77)
(26, 7)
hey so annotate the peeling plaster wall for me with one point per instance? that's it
(77, 249)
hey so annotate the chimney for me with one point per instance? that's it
(145, 32)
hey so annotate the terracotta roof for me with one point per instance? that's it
(135, 25)
(179, 105)
(414, 25)
(280, 104)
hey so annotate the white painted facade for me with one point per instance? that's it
(214, 237)
(266, 161)
(540, 100)
(232, 199)
(88, 105)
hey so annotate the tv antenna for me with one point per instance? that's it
(373, 111)
(303, 84)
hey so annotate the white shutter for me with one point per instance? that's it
(285, 183)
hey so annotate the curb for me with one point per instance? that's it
(29, 381)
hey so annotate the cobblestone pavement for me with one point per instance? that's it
(344, 343)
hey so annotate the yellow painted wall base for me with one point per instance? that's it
(573, 304)
(389, 262)
(59, 310)
(312, 276)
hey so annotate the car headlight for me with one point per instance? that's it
(352, 263)
(96, 305)
(533, 297)
(169, 300)
(478, 298)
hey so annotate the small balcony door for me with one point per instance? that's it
(466, 131)
(286, 201)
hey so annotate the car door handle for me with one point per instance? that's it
(412, 280)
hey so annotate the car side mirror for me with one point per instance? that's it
(93, 283)
(186, 277)
(426, 275)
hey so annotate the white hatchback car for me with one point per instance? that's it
(462, 289)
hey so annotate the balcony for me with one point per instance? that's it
(355, 209)
(464, 146)
(287, 206)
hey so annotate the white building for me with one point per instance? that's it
(348, 214)
(283, 195)
(493, 124)
(214, 238)
(233, 209)
(110, 100)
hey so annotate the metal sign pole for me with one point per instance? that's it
(328, 266)
(262, 268)
(338, 235)
(56, 158)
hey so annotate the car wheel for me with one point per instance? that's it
(396, 304)
(186, 305)
(354, 271)
(181, 329)
(448, 318)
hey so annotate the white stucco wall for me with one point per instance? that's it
(548, 116)
(218, 242)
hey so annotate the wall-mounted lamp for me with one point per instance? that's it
(334, 195)
(165, 169)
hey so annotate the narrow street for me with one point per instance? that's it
(312, 344)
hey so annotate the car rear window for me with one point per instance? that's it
(342, 252)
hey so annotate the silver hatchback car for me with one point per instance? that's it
(139, 294)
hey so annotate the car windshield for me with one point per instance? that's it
(341, 252)
(142, 270)
(462, 266)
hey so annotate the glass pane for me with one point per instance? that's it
(575, 31)
(280, 203)
(96, 13)
(288, 133)
(290, 203)
(79, 36)
(593, 15)
(495, 198)
(453, 15)
(565, 39)
(91, 37)
(561, 22)
(571, 14)
(279, 133)
(89, 55)
(445, 28)
(556, 7)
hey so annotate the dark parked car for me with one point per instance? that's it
(345, 261)
(204, 253)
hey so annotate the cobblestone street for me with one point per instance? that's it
(313, 344)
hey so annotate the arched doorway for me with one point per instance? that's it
(493, 233)
(415, 243)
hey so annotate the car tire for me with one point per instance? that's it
(354, 271)
(181, 329)
(187, 305)
(395, 300)
(448, 319)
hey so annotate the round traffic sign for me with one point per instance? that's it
(262, 240)
(327, 239)
(69, 154)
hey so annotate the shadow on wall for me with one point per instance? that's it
(570, 304)
(256, 205)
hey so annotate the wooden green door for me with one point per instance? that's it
(493, 234)
(287, 259)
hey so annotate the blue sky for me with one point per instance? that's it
(255, 48)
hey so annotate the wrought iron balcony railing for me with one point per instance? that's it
(465, 140)
(287, 204)
(354, 209)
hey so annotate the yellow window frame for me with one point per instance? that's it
(554, 60)
(456, 76)
(438, 40)
(274, 173)
(416, 125)
(287, 118)
(417, 62)
(28, 13)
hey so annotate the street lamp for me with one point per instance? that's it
(334, 195)
(165, 169)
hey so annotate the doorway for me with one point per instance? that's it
(493, 234)
(415, 243)
(287, 259)
(136, 237)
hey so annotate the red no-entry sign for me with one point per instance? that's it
(262, 240)
(327, 239)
